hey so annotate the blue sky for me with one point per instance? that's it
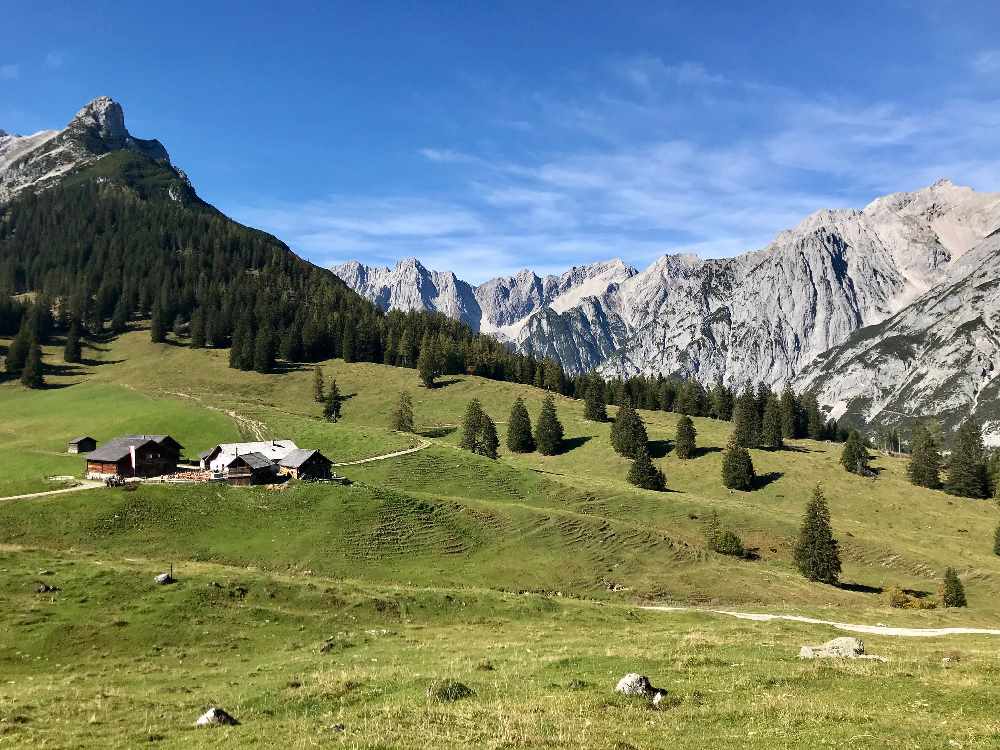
(486, 137)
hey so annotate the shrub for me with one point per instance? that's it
(449, 691)
(737, 467)
(645, 475)
(730, 544)
(896, 598)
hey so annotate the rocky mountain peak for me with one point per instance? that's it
(104, 116)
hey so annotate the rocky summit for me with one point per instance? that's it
(775, 315)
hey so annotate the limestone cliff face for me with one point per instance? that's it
(35, 162)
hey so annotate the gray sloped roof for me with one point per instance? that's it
(80, 439)
(253, 460)
(158, 439)
(117, 449)
(299, 456)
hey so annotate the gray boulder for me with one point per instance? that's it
(838, 648)
(164, 579)
(638, 684)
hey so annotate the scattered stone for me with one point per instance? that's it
(216, 717)
(165, 579)
(638, 684)
(45, 588)
(449, 691)
(838, 648)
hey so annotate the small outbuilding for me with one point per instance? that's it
(249, 468)
(302, 463)
(82, 444)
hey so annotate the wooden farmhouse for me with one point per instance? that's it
(249, 468)
(305, 464)
(82, 444)
(134, 456)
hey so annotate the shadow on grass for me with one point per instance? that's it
(705, 450)
(763, 480)
(861, 588)
(281, 367)
(437, 432)
(659, 448)
(797, 449)
(572, 443)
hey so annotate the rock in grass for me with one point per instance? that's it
(449, 691)
(216, 717)
(838, 648)
(164, 578)
(638, 684)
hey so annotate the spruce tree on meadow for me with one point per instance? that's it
(996, 541)
(628, 433)
(952, 590)
(789, 413)
(17, 354)
(548, 429)
(817, 554)
(331, 407)
(644, 474)
(815, 424)
(347, 352)
(429, 364)
(263, 355)
(197, 329)
(401, 419)
(71, 351)
(737, 467)
(771, 428)
(855, 457)
(721, 402)
(479, 433)
(119, 319)
(157, 325)
(519, 437)
(746, 429)
(684, 440)
(489, 441)
(967, 464)
(319, 388)
(924, 469)
(33, 374)
(594, 407)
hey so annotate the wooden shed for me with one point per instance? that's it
(305, 464)
(82, 444)
(249, 468)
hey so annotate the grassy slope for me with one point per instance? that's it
(442, 518)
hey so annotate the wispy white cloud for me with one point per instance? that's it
(9, 71)
(987, 61)
(651, 157)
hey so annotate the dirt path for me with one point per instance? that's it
(849, 627)
(423, 444)
(84, 485)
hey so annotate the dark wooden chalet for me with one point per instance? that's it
(135, 456)
(305, 464)
(82, 444)
(250, 468)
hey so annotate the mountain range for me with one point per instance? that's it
(887, 312)
(825, 306)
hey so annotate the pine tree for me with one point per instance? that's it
(722, 402)
(470, 425)
(319, 388)
(967, 465)
(594, 407)
(157, 325)
(17, 354)
(684, 441)
(429, 361)
(952, 590)
(347, 343)
(737, 467)
(331, 409)
(33, 374)
(771, 428)
(924, 469)
(488, 440)
(263, 356)
(628, 433)
(855, 457)
(197, 329)
(746, 428)
(789, 413)
(815, 424)
(548, 429)
(401, 419)
(816, 553)
(996, 542)
(71, 351)
(119, 319)
(479, 433)
(644, 474)
(519, 437)
(713, 531)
